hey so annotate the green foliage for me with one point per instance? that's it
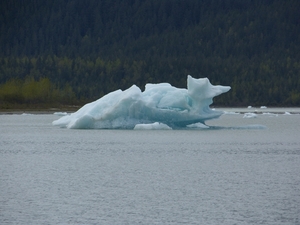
(31, 92)
(11, 91)
(85, 49)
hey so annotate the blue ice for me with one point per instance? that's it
(161, 103)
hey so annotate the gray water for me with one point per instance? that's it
(240, 171)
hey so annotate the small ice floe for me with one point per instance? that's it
(287, 113)
(270, 114)
(152, 126)
(26, 114)
(231, 113)
(250, 115)
(263, 107)
(249, 107)
(60, 113)
(198, 126)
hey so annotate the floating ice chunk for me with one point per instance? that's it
(198, 125)
(162, 103)
(263, 107)
(250, 115)
(287, 113)
(231, 113)
(152, 126)
(60, 113)
(249, 107)
(27, 114)
(270, 114)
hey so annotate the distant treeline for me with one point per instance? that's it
(85, 49)
(31, 92)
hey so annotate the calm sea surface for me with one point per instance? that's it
(240, 171)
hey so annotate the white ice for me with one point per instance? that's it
(250, 115)
(231, 113)
(60, 113)
(163, 103)
(152, 126)
(198, 125)
(270, 114)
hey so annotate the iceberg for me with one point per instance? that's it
(162, 103)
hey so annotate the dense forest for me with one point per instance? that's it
(75, 51)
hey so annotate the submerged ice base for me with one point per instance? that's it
(163, 103)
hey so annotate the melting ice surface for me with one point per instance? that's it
(162, 103)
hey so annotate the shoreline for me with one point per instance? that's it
(242, 110)
(69, 109)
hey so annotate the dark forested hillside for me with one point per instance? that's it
(85, 49)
